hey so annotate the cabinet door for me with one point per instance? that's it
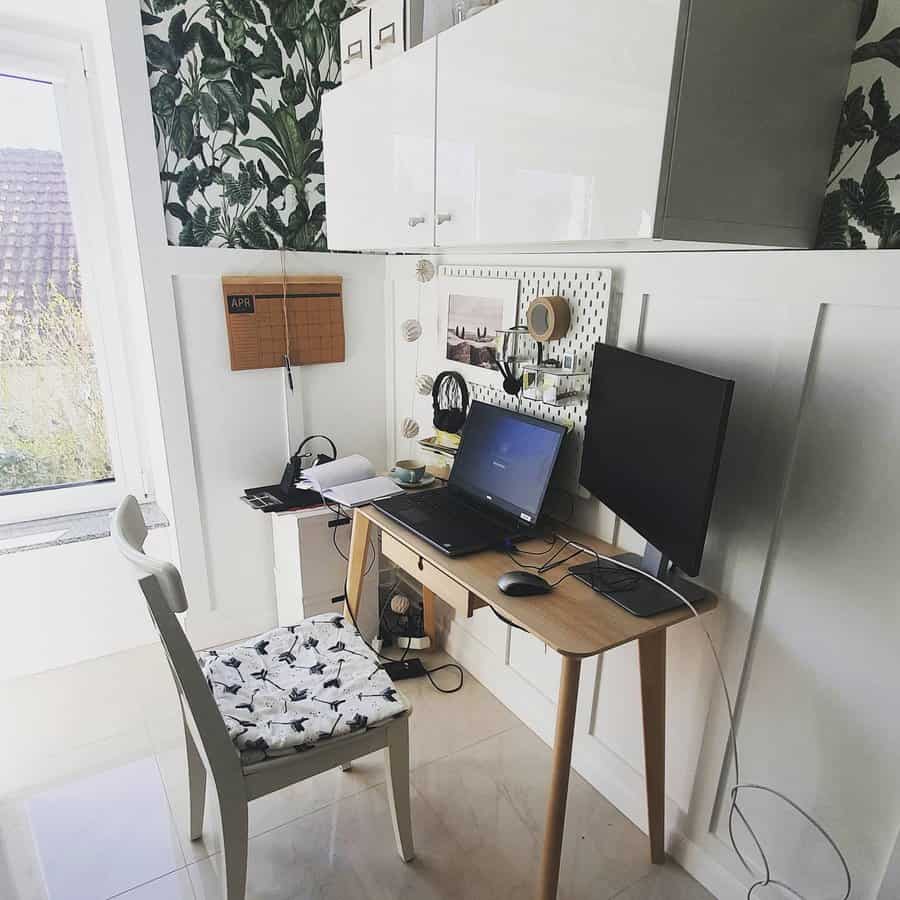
(310, 572)
(551, 121)
(379, 156)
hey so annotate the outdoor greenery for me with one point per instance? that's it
(236, 92)
(859, 213)
(52, 430)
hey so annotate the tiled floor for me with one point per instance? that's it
(93, 805)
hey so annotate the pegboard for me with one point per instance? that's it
(590, 296)
(255, 313)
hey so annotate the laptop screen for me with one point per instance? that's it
(506, 459)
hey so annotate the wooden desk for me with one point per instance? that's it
(573, 620)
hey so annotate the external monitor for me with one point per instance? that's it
(653, 440)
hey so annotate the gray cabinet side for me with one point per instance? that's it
(756, 98)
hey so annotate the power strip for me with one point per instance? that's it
(413, 643)
(405, 668)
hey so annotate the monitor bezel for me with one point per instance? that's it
(690, 567)
(521, 514)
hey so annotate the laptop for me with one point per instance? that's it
(496, 488)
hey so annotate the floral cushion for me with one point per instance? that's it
(290, 689)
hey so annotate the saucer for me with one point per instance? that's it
(426, 481)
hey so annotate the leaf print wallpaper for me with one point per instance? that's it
(236, 90)
(860, 211)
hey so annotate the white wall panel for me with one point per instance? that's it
(824, 670)
(812, 671)
(238, 430)
(535, 663)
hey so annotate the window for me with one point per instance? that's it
(64, 438)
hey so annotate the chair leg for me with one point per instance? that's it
(234, 844)
(196, 785)
(397, 764)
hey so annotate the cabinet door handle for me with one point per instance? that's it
(416, 220)
(354, 51)
(442, 218)
(387, 34)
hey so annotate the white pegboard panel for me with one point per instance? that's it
(590, 296)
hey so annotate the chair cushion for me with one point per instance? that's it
(291, 688)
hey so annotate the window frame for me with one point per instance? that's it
(61, 63)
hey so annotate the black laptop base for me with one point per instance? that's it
(449, 524)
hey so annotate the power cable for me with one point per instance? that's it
(765, 878)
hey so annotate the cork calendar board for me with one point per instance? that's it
(255, 319)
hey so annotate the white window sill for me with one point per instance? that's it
(53, 532)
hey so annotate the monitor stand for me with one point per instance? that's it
(640, 596)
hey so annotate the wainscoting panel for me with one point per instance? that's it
(539, 666)
(801, 549)
(813, 713)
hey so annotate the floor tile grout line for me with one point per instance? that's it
(172, 817)
(436, 812)
(318, 809)
(359, 793)
(294, 821)
(633, 884)
(520, 723)
(142, 884)
(329, 803)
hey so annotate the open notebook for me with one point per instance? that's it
(350, 481)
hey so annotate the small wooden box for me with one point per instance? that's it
(258, 315)
(356, 45)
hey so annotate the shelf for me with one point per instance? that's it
(554, 370)
(569, 400)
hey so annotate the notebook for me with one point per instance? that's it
(350, 481)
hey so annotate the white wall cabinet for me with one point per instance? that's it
(585, 124)
(550, 125)
(380, 163)
(310, 573)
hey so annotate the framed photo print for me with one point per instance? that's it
(471, 312)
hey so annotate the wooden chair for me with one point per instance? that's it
(209, 746)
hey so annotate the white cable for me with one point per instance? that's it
(735, 810)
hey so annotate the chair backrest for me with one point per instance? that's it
(202, 713)
(129, 534)
(164, 592)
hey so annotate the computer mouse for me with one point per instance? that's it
(522, 584)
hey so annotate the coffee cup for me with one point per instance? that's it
(409, 471)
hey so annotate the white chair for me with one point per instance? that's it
(241, 775)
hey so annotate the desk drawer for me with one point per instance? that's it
(424, 572)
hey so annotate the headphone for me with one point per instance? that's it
(294, 467)
(450, 399)
(319, 458)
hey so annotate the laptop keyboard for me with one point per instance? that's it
(435, 503)
(440, 510)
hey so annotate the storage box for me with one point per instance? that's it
(356, 45)
(396, 27)
(555, 387)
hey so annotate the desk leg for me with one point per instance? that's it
(428, 622)
(652, 651)
(559, 779)
(359, 544)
